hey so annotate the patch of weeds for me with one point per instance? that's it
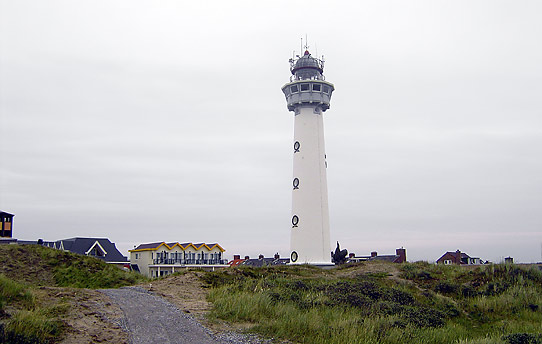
(217, 278)
(30, 327)
(15, 292)
(94, 274)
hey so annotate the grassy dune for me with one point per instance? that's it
(382, 303)
(26, 316)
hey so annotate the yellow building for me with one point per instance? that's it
(161, 258)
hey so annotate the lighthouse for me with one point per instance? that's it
(308, 96)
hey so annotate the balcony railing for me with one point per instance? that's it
(190, 261)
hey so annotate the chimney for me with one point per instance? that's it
(351, 255)
(458, 257)
(260, 256)
(277, 255)
(247, 257)
(236, 256)
(374, 254)
(401, 252)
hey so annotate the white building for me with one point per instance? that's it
(160, 258)
(308, 95)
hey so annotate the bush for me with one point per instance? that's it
(445, 287)
(523, 338)
(424, 317)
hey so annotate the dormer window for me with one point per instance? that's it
(96, 250)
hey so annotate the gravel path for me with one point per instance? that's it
(152, 319)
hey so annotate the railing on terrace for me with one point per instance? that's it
(190, 261)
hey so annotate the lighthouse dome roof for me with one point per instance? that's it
(309, 64)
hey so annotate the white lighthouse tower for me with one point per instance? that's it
(308, 95)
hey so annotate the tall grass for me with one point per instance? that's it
(441, 304)
(29, 323)
(14, 292)
(31, 327)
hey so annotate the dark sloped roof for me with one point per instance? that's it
(258, 262)
(265, 262)
(454, 254)
(5, 213)
(388, 258)
(83, 245)
(147, 246)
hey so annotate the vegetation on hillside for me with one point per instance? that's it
(25, 316)
(365, 303)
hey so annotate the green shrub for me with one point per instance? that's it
(445, 287)
(523, 338)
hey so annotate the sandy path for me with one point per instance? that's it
(152, 319)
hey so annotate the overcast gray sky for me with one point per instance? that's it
(146, 121)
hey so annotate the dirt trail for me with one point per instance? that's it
(152, 319)
(89, 315)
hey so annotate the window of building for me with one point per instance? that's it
(326, 89)
(304, 87)
(294, 89)
(316, 87)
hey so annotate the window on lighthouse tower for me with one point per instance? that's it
(295, 221)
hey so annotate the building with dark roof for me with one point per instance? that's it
(6, 225)
(262, 261)
(100, 248)
(459, 258)
(161, 258)
(398, 257)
